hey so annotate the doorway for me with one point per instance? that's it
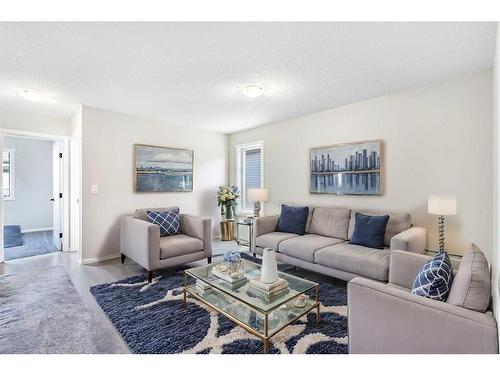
(34, 179)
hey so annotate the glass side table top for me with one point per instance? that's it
(243, 222)
(296, 285)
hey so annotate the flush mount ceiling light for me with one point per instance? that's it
(252, 90)
(32, 95)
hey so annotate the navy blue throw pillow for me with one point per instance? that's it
(169, 221)
(293, 219)
(369, 231)
(434, 278)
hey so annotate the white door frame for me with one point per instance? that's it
(75, 158)
(65, 176)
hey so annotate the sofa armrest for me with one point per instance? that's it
(404, 267)
(266, 224)
(386, 319)
(198, 227)
(140, 241)
(413, 239)
(263, 225)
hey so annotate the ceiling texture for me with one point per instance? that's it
(190, 74)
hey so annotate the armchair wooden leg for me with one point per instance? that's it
(123, 258)
(209, 259)
(150, 276)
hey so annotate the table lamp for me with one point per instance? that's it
(442, 205)
(257, 196)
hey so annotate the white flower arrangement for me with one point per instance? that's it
(227, 195)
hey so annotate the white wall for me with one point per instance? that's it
(32, 208)
(496, 182)
(25, 121)
(107, 154)
(437, 139)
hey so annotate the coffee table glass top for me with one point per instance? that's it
(296, 285)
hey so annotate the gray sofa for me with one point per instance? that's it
(388, 318)
(325, 247)
(140, 241)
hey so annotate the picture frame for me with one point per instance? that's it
(162, 169)
(353, 168)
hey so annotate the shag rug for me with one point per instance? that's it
(41, 312)
(151, 319)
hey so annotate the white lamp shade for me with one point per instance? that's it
(257, 195)
(442, 205)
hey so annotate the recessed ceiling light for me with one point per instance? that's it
(252, 90)
(33, 95)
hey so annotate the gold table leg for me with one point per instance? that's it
(266, 333)
(266, 346)
(184, 292)
(317, 308)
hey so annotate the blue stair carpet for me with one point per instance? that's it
(12, 236)
(151, 319)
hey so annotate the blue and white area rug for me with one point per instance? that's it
(151, 319)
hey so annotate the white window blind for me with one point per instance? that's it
(249, 162)
(252, 171)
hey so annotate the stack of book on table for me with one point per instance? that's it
(202, 288)
(258, 288)
(234, 280)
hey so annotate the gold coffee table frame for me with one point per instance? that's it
(266, 334)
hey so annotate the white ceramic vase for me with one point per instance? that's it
(269, 272)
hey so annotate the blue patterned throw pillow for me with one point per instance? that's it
(168, 221)
(434, 278)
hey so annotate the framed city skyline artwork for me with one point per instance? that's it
(348, 168)
(163, 169)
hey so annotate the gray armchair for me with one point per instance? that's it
(140, 241)
(388, 318)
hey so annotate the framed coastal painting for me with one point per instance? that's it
(163, 169)
(348, 168)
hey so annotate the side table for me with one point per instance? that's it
(241, 241)
(227, 230)
(455, 259)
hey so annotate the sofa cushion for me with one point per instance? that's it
(434, 278)
(273, 239)
(179, 244)
(369, 231)
(293, 219)
(304, 247)
(309, 218)
(363, 261)
(397, 223)
(471, 287)
(330, 222)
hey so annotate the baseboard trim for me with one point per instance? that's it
(37, 230)
(99, 259)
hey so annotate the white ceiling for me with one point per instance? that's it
(190, 73)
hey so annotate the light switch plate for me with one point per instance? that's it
(94, 189)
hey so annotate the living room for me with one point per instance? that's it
(258, 188)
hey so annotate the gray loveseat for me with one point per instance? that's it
(140, 241)
(325, 247)
(388, 318)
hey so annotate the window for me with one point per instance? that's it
(8, 174)
(250, 171)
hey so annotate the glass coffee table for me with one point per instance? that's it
(262, 317)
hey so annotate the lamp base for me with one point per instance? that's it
(256, 209)
(441, 233)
